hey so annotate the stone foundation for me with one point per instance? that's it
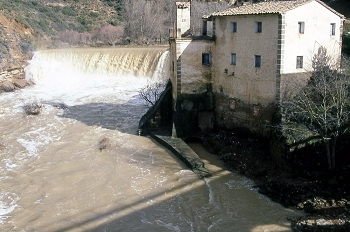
(232, 113)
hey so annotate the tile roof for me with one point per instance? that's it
(269, 7)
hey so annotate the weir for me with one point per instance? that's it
(147, 62)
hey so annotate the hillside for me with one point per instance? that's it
(29, 25)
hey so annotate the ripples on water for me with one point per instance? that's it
(54, 177)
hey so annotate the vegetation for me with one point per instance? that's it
(27, 25)
(152, 92)
(321, 109)
(346, 38)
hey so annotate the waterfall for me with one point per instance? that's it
(72, 71)
(139, 62)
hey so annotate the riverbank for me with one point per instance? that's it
(323, 196)
(13, 79)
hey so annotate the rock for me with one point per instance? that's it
(15, 72)
(7, 86)
(30, 83)
(20, 83)
(3, 75)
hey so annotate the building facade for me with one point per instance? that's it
(256, 53)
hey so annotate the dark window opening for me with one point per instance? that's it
(299, 62)
(205, 58)
(258, 27)
(301, 27)
(233, 27)
(257, 61)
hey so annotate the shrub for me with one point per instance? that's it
(93, 14)
(67, 10)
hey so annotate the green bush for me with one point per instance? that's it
(69, 11)
(94, 14)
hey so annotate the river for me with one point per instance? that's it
(55, 176)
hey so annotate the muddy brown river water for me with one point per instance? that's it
(54, 177)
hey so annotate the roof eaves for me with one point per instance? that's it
(232, 11)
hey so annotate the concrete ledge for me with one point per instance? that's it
(184, 153)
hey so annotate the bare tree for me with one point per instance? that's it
(321, 108)
(69, 36)
(146, 21)
(152, 92)
(111, 34)
(86, 38)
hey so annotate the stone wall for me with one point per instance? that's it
(231, 113)
(193, 113)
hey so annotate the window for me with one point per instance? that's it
(332, 28)
(258, 27)
(301, 27)
(233, 27)
(205, 58)
(233, 58)
(299, 62)
(257, 61)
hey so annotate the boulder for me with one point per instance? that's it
(20, 83)
(7, 86)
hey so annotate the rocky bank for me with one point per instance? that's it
(13, 79)
(324, 196)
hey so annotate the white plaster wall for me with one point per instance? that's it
(250, 84)
(194, 75)
(317, 20)
(183, 20)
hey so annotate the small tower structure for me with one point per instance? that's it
(183, 19)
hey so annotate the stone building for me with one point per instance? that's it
(233, 75)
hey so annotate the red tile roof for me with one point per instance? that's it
(269, 7)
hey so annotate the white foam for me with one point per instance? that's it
(10, 166)
(169, 226)
(79, 77)
(8, 202)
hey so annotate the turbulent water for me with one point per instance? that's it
(56, 175)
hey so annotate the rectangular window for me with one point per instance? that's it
(258, 27)
(299, 62)
(205, 58)
(233, 27)
(301, 27)
(257, 61)
(233, 58)
(332, 28)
